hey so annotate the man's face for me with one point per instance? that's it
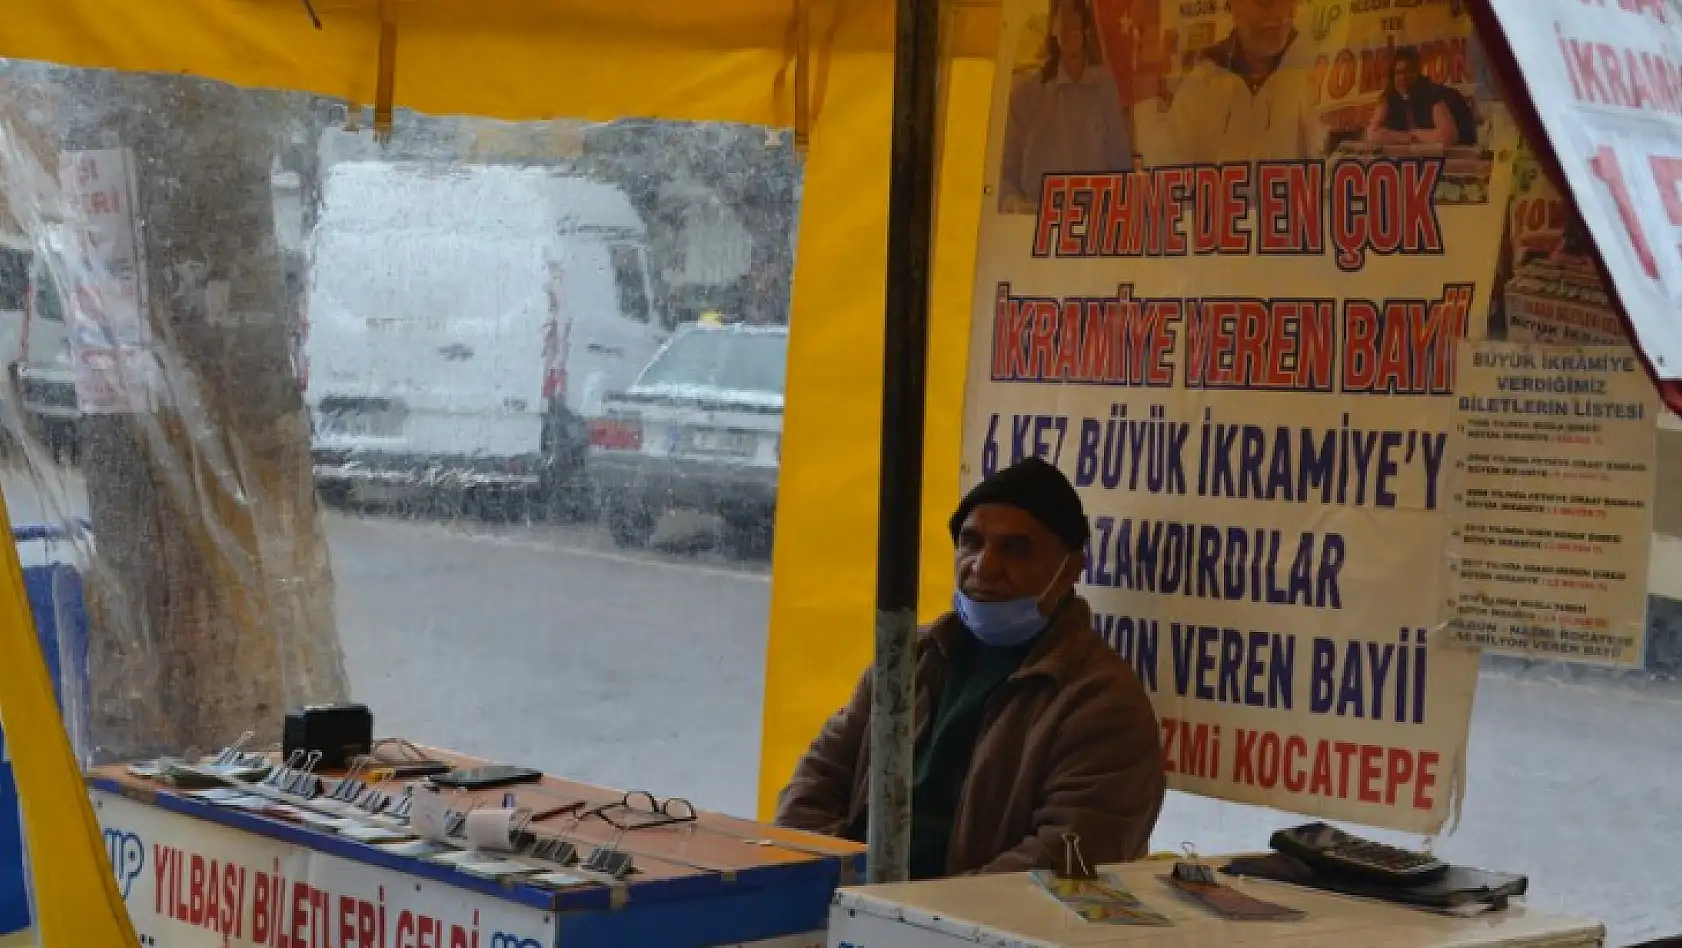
(1004, 553)
(1263, 26)
(1407, 73)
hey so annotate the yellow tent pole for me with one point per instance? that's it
(385, 88)
(802, 75)
(76, 898)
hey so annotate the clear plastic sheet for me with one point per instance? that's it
(314, 417)
(155, 410)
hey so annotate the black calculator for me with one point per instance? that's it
(1325, 848)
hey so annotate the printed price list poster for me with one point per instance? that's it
(1554, 479)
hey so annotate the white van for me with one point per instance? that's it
(461, 324)
(45, 374)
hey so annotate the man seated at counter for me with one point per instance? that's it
(1027, 725)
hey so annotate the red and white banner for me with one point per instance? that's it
(116, 370)
(1605, 79)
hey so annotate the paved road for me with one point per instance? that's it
(543, 650)
(547, 647)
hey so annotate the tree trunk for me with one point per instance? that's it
(211, 595)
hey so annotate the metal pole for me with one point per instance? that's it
(905, 367)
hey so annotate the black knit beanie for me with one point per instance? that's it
(1040, 489)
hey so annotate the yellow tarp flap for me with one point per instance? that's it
(726, 60)
(823, 596)
(511, 59)
(74, 887)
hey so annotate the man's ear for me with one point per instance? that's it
(1073, 569)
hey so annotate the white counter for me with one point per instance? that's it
(1013, 912)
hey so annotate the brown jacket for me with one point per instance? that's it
(1069, 743)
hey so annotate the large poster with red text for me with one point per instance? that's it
(1606, 81)
(1224, 277)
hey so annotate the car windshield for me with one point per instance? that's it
(741, 361)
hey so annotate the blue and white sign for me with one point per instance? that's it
(193, 884)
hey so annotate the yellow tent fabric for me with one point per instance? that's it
(822, 608)
(75, 891)
(726, 60)
(723, 60)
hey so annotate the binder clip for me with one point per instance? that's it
(554, 849)
(1193, 870)
(303, 782)
(281, 777)
(609, 861)
(350, 788)
(234, 754)
(400, 810)
(372, 801)
(455, 822)
(519, 830)
(1074, 863)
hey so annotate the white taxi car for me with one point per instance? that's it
(700, 429)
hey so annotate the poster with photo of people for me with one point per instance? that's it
(1411, 79)
(1098, 85)
(1547, 287)
(1230, 257)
